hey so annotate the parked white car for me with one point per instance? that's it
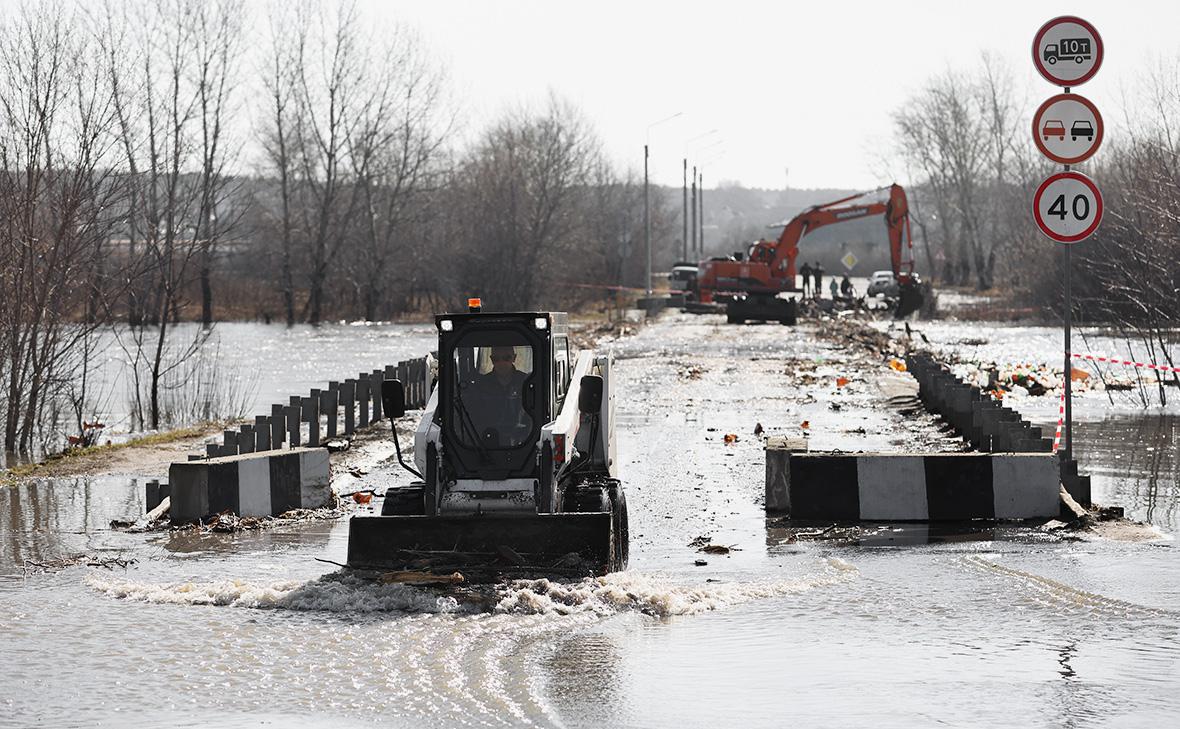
(882, 282)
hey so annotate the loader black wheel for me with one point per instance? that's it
(622, 538)
(734, 319)
(586, 500)
(405, 501)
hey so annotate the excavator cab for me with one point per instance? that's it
(910, 296)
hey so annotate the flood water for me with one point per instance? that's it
(240, 370)
(999, 627)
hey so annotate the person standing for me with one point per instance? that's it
(834, 288)
(817, 273)
(805, 274)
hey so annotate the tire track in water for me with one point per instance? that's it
(1054, 594)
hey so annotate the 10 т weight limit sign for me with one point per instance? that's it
(1067, 207)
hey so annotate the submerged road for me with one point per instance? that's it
(1005, 626)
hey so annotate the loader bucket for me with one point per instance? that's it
(485, 546)
(909, 300)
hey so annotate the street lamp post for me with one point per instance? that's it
(701, 197)
(684, 215)
(647, 197)
(689, 145)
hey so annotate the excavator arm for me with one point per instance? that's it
(781, 256)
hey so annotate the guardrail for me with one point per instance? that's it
(338, 409)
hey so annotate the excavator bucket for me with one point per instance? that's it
(487, 546)
(910, 299)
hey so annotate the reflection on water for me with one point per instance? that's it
(50, 518)
(1133, 463)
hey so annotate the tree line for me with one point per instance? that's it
(170, 160)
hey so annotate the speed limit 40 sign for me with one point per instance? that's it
(1067, 207)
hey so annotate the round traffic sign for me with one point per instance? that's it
(1067, 51)
(1067, 128)
(1067, 207)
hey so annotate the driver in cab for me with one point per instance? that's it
(502, 388)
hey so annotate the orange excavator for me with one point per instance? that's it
(750, 285)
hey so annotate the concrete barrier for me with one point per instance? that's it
(988, 425)
(912, 487)
(258, 484)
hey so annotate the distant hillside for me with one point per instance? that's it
(735, 216)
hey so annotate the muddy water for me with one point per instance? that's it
(1013, 629)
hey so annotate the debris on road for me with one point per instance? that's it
(731, 438)
(410, 577)
(74, 560)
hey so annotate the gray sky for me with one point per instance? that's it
(808, 87)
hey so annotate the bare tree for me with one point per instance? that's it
(395, 151)
(56, 194)
(169, 84)
(521, 184)
(960, 134)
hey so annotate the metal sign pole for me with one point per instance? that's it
(1068, 355)
(1068, 348)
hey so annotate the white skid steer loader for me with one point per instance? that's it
(514, 455)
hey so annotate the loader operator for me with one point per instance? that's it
(501, 390)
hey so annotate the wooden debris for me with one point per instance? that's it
(410, 577)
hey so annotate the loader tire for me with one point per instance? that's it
(734, 319)
(405, 501)
(622, 537)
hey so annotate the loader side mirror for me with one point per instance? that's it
(393, 398)
(590, 394)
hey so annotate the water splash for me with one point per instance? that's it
(636, 591)
(599, 596)
(334, 593)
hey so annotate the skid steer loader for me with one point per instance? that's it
(514, 458)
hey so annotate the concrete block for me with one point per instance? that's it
(1013, 498)
(892, 488)
(911, 487)
(255, 484)
(778, 492)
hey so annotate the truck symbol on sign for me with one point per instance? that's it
(1076, 48)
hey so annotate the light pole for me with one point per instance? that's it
(687, 144)
(684, 215)
(646, 196)
(701, 195)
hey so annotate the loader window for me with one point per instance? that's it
(492, 391)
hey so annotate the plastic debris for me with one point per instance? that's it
(731, 438)
(897, 365)
(841, 381)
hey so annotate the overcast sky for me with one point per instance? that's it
(807, 87)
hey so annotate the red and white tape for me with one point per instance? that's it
(1127, 362)
(1108, 360)
(1060, 420)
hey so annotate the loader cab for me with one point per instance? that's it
(502, 376)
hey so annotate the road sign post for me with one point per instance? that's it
(1067, 128)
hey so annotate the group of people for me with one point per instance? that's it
(813, 283)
